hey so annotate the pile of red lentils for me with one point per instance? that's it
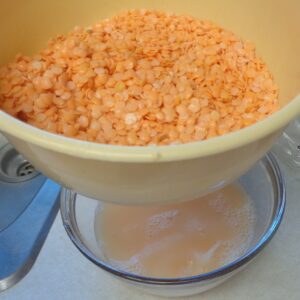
(141, 78)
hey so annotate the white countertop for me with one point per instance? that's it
(62, 273)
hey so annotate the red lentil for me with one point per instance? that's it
(141, 78)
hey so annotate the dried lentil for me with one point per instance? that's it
(141, 78)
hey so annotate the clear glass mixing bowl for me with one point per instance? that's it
(263, 183)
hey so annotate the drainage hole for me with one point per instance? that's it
(26, 168)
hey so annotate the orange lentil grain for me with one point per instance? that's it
(141, 78)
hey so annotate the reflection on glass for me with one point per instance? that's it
(288, 145)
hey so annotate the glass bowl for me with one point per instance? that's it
(265, 187)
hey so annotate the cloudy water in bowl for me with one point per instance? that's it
(177, 240)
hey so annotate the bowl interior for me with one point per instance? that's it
(262, 183)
